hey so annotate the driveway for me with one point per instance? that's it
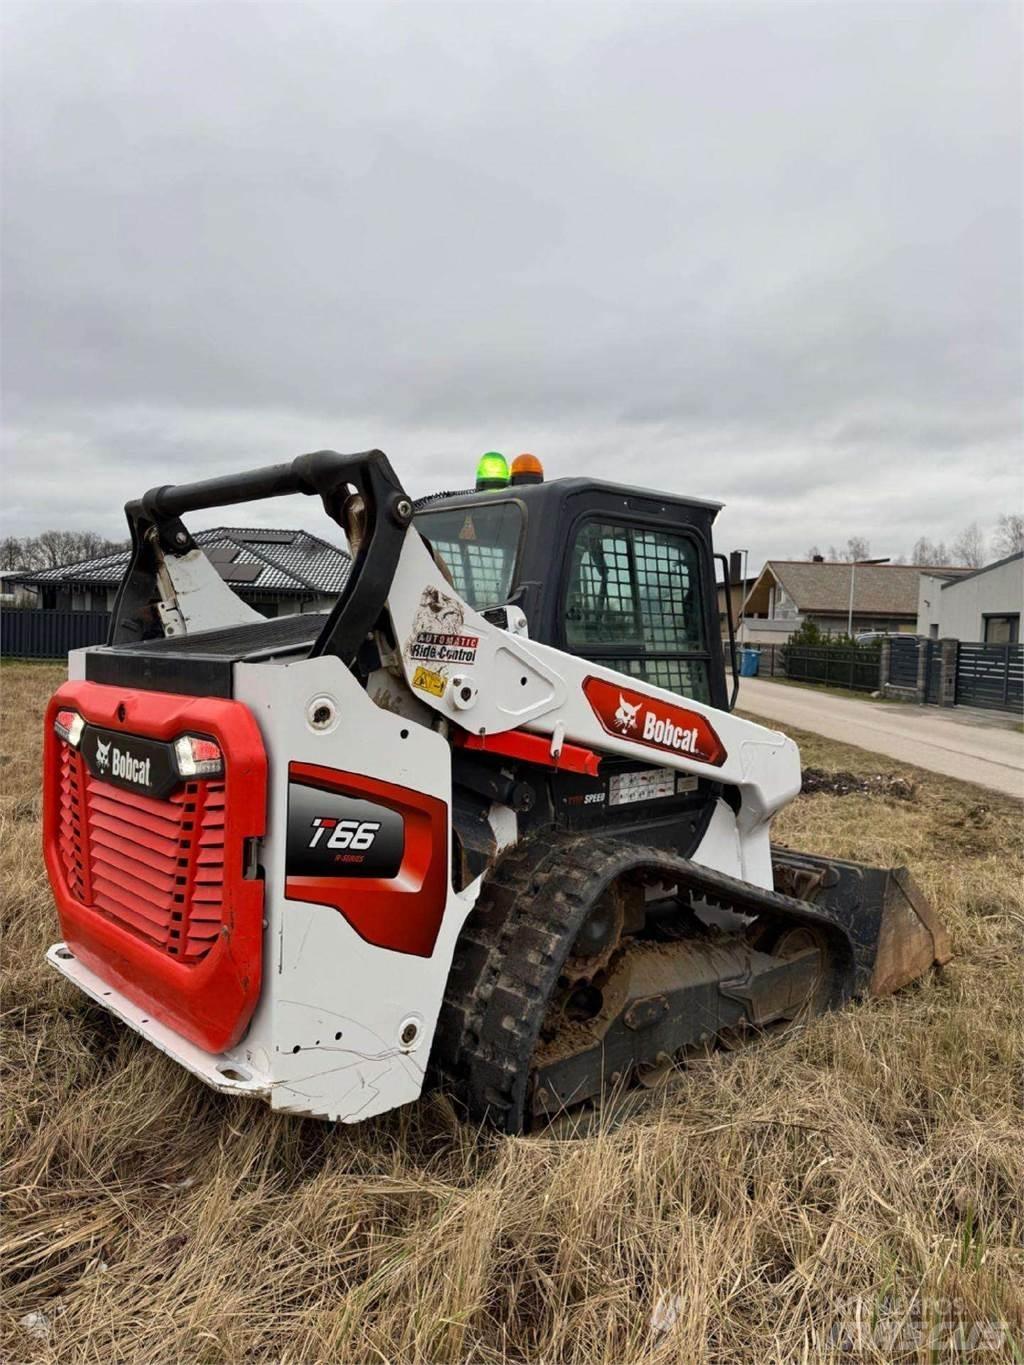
(975, 748)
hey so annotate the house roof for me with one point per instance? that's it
(987, 568)
(252, 560)
(824, 588)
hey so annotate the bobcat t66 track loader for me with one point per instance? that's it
(490, 813)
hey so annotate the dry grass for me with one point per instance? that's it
(874, 1157)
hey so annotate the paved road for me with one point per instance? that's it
(965, 745)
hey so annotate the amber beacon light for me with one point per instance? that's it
(526, 469)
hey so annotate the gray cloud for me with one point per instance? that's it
(766, 253)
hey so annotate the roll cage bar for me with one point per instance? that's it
(157, 530)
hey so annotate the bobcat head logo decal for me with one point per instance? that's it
(625, 716)
(103, 753)
(657, 722)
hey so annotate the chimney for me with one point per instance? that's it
(818, 559)
(735, 567)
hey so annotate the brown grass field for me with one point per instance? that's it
(857, 1184)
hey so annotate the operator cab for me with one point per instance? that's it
(620, 575)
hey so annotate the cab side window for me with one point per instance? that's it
(633, 602)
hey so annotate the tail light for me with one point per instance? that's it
(69, 725)
(198, 757)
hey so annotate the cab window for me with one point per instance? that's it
(478, 546)
(633, 600)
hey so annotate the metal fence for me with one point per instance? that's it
(839, 666)
(991, 676)
(903, 661)
(34, 633)
(942, 672)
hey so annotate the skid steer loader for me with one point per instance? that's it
(489, 813)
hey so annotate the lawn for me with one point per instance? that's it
(858, 1182)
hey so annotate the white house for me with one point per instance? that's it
(982, 606)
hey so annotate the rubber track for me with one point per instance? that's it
(512, 947)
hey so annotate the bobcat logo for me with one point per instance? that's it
(625, 716)
(103, 753)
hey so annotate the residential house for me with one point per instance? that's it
(276, 572)
(737, 591)
(789, 592)
(983, 605)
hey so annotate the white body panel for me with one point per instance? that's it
(319, 977)
(518, 682)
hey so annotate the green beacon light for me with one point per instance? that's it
(492, 471)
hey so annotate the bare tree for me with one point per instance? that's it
(12, 554)
(857, 548)
(1008, 537)
(927, 554)
(969, 547)
(53, 549)
(92, 546)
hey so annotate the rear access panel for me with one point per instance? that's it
(375, 851)
(153, 868)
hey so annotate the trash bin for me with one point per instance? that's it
(750, 661)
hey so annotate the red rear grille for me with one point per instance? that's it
(156, 867)
(70, 820)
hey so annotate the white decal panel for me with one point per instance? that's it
(647, 785)
(439, 637)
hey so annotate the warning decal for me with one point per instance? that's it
(429, 681)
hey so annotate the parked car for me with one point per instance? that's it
(875, 637)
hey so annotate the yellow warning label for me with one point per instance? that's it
(429, 681)
(468, 531)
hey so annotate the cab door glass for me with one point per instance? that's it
(633, 601)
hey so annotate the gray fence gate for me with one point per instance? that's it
(903, 661)
(952, 672)
(991, 676)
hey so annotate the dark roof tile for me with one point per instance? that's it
(262, 561)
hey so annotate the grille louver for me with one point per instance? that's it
(156, 867)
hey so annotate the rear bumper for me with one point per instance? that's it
(220, 1071)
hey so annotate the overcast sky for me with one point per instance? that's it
(768, 254)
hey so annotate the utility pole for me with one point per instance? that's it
(853, 580)
(743, 591)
